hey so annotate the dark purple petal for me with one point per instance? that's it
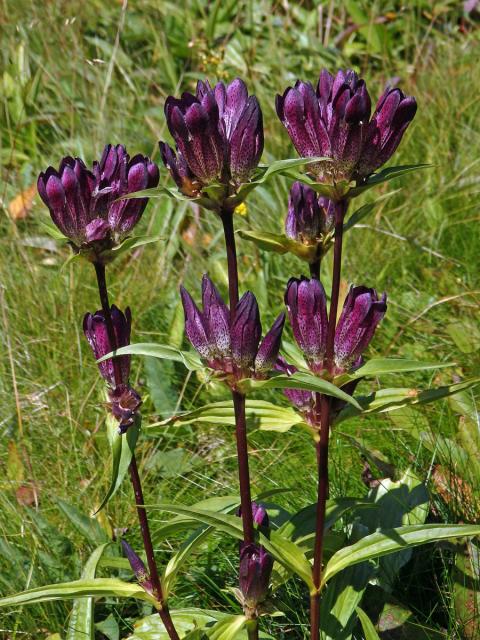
(216, 318)
(256, 566)
(125, 403)
(269, 347)
(194, 326)
(305, 220)
(307, 311)
(362, 311)
(97, 230)
(245, 332)
(246, 144)
(179, 171)
(302, 400)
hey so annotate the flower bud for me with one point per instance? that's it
(138, 568)
(256, 566)
(309, 217)
(307, 310)
(362, 311)
(267, 353)
(125, 403)
(245, 332)
(304, 401)
(95, 329)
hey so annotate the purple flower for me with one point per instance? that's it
(233, 348)
(309, 217)
(125, 403)
(259, 514)
(307, 311)
(84, 204)
(362, 311)
(333, 122)
(303, 400)
(138, 568)
(219, 137)
(256, 566)
(95, 329)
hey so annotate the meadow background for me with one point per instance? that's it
(75, 75)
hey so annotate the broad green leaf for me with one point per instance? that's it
(383, 366)
(133, 243)
(299, 380)
(367, 626)
(284, 166)
(388, 541)
(383, 176)
(109, 628)
(268, 416)
(190, 359)
(294, 356)
(284, 551)
(188, 622)
(85, 525)
(80, 624)
(122, 447)
(390, 399)
(279, 243)
(97, 588)
(228, 628)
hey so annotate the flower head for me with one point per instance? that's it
(333, 122)
(231, 347)
(218, 134)
(85, 204)
(309, 217)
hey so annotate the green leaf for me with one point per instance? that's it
(52, 230)
(109, 628)
(86, 526)
(384, 176)
(367, 625)
(227, 629)
(391, 399)
(284, 551)
(133, 243)
(299, 380)
(266, 415)
(190, 359)
(122, 447)
(80, 624)
(279, 243)
(284, 166)
(388, 541)
(183, 554)
(384, 366)
(361, 213)
(97, 588)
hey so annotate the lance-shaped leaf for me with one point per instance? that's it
(80, 624)
(122, 447)
(133, 243)
(266, 415)
(391, 399)
(367, 625)
(97, 588)
(385, 175)
(383, 366)
(177, 561)
(387, 541)
(279, 243)
(284, 551)
(190, 359)
(299, 380)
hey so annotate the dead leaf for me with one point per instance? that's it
(26, 495)
(21, 205)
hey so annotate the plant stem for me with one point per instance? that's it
(238, 398)
(252, 630)
(315, 269)
(163, 612)
(322, 444)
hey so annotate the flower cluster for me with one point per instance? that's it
(232, 347)
(334, 122)
(307, 310)
(87, 206)
(219, 138)
(125, 401)
(310, 218)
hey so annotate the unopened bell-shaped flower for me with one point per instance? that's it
(125, 401)
(302, 400)
(333, 122)
(85, 204)
(218, 133)
(362, 311)
(256, 566)
(138, 568)
(307, 311)
(231, 347)
(309, 217)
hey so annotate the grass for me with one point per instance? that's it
(77, 75)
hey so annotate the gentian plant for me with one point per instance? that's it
(219, 139)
